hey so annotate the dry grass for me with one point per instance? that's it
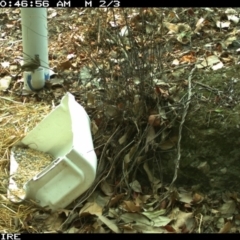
(16, 120)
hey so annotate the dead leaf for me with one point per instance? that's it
(116, 199)
(199, 25)
(85, 75)
(90, 99)
(54, 222)
(5, 82)
(188, 58)
(150, 137)
(136, 187)
(91, 208)
(185, 197)
(98, 227)
(135, 218)
(175, 62)
(5, 64)
(56, 81)
(53, 14)
(154, 120)
(124, 31)
(72, 230)
(137, 81)
(154, 214)
(166, 145)
(225, 24)
(71, 56)
(228, 208)
(13, 67)
(161, 221)
(111, 111)
(184, 222)
(64, 65)
(173, 28)
(217, 66)
(151, 178)
(230, 40)
(106, 188)
(140, 199)
(140, 228)
(131, 207)
(109, 223)
(65, 211)
(226, 228)
(204, 167)
(233, 18)
(128, 230)
(128, 156)
(94, 127)
(99, 198)
(209, 62)
(170, 229)
(197, 198)
(122, 139)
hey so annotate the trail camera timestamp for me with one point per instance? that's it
(59, 3)
(34, 3)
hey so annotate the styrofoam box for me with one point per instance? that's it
(65, 133)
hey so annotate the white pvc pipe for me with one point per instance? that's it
(35, 42)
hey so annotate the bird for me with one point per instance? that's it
(30, 66)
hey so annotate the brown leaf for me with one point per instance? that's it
(197, 198)
(106, 188)
(140, 199)
(116, 199)
(184, 222)
(90, 99)
(154, 120)
(226, 228)
(131, 207)
(169, 228)
(91, 208)
(150, 137)
(64, 65)
(172, 27)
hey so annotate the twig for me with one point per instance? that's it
(206, 86)
(199, 228)
(8, 99)
(8, 208)
(181, 126)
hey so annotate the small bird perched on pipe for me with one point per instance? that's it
(30, 66)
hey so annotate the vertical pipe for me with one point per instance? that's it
(35, 42)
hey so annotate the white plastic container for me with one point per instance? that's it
(65, 133)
